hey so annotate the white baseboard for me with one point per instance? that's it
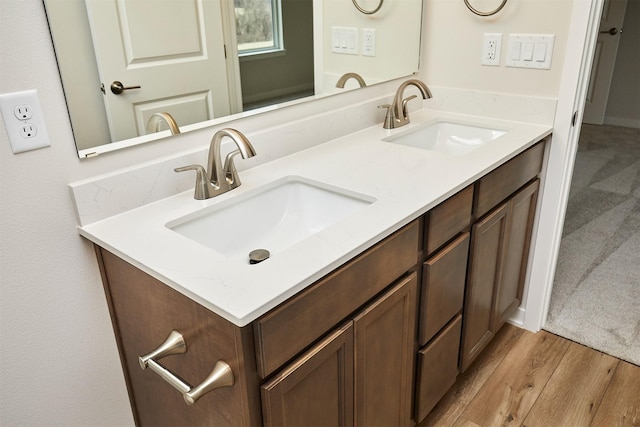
(517, 318)
(622, 121)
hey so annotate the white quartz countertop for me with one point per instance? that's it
(404, 181)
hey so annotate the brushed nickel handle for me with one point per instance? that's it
(220, 376)
(611, 31)
(117, 87)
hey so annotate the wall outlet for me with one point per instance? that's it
(491, 47)
(24, 121)
(368, 42)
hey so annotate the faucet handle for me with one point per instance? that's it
(404, 105)
(203, 188)
(388, 119)
(230, 172)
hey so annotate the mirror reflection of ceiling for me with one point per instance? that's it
(323, 40)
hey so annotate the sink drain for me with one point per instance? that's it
(258, 255)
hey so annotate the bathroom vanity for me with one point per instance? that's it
(370, 328)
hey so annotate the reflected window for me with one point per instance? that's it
(258, 26)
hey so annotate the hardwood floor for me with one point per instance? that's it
(527, 379)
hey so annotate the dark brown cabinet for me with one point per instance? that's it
(499, 253)
(361, 374)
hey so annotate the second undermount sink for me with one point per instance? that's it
(447, 137)
(273, 217)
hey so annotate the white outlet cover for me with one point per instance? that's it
(491, 49)
(29, 134)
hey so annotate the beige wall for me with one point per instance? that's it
(453, 43)
(397, 26)
(623, 106)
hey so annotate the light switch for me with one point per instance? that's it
(530, 51)
(515, 50)
(540, 52)
(352, 43)
(527, 51)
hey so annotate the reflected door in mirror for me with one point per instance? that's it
(171, 57)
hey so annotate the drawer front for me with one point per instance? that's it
(506, 179)
(448, 219)
(444, 276)
(437, 369)
(290, 328)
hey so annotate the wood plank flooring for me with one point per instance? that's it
(527, 379)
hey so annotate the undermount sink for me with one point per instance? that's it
(273, 217)
(452, 138)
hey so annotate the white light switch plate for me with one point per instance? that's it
(530, 51)
(24, 121)
(344, 40)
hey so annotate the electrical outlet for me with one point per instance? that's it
(28, 131)
(368, 42)
(23, 112)
(24, 121)
(491, 46)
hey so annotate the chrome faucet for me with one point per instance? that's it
(343, 79)
(397, 113)
(153, 124)
(221, 178)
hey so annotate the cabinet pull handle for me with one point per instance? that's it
(220, 376)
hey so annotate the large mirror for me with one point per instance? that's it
(206, 61)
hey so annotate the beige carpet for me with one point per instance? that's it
(596, 293)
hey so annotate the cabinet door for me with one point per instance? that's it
(384, 352)
(317, 388)
(522, 208)
(486, 255)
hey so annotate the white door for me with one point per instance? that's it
(604, 61)
(172, 49)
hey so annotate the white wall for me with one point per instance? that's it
(453, 38)
(58, 361)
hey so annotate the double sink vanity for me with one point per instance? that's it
(393, 257)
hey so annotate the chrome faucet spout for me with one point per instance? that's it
(219, 179)
(217, 173)
(399, 114)
(154, 122)
(345, 77)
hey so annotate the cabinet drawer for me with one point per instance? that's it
(448, 219)
(506, 179)
(291, 327)
(437, 368)
(443, 278)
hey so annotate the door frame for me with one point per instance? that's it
(561, 154)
